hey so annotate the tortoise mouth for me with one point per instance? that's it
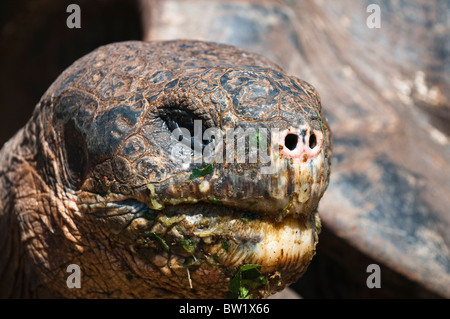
(210, 237)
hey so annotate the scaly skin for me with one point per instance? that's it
(92, 180)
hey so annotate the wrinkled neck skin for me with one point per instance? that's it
(36, 216)
(41, 217)
(22, 196)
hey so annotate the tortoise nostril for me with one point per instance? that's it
(290, 141)
(312, 141)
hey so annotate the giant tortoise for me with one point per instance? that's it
(383, 90)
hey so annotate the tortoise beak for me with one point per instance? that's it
(287, 179)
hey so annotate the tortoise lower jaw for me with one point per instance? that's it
(236, 236)
(212, 242)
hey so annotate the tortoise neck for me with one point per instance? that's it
(17, 276)
(13, 275)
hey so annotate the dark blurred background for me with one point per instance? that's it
(36, 46)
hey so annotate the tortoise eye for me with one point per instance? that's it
(177, 118)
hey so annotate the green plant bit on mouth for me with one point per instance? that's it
(253, 203)
(214, 200)
(155, 237)
(254, 139)
(248, 217)
(258, 141)
(188, 245)
(153, 200)
(226, 245)
(208, 169)
(169, 221)
(129, 277)
(248, 278)
(149, 215)
(191, 261)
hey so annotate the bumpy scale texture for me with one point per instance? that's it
(92, 180)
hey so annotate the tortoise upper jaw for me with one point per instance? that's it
(294, 188)
(288, 180)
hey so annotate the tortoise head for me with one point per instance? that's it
(179, 164)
